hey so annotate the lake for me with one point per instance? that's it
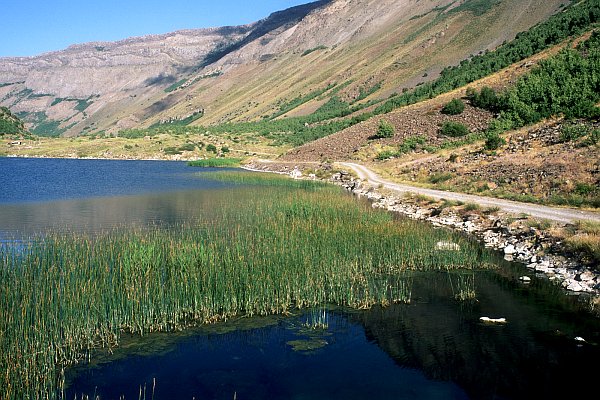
(433, 347)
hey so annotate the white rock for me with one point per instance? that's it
(447, 246)
(574, 286)
(493, 320)
(510, 250)
(580, 339)
(586, 276)
(525, 279)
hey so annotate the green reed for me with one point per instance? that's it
(216, 162)
(263, 179)
(273, 251)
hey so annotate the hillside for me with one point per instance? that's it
(363, 50)
(10, 124)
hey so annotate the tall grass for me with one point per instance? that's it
(216, 162)
(272, 252)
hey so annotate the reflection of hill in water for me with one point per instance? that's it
(105, 213)
(533, 356)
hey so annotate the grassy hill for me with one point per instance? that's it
(10, 124)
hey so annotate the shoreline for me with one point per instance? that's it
(535, 247)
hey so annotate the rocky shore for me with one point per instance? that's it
(518, 238)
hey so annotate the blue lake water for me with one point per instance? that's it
(433, 348)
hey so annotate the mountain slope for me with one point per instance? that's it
(359, 50)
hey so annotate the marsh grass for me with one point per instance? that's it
(216, 162)
(64, 295)
(264, 179)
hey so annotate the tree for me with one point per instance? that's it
(385, 130)
(454, 107)
(494, 141)
(454, 129)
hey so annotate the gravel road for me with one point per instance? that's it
(564, 215)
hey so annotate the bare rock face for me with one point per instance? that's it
(102, 67)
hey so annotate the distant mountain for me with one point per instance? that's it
(290, 63)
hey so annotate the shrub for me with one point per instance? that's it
(386, 154)
(569, 133)
(454, 129)
(172, 151)
(187, 147)
(454, 107)
(385, 130)
(494, 141)
(440, 177)
(486, 99)
(211, 148)
(224, 149)
(411, 143)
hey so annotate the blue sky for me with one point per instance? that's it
(31, 27)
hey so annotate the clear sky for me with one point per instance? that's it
(31, 27)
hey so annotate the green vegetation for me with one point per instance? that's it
(10, 124)
(308, 51)
(411, 143)
(574, 20)
(486, 99)
(454, 107)
(384, 131)
(298, 101)
(211, 148)
(175, 85)
(453, 129)
(216, 162)
(575, 131)
(261, 253)
(440, 177)
(363, 94)
(46, 127)
(494, 141)
(476, 7)
(567, 84)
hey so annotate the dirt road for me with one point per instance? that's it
(564, 215)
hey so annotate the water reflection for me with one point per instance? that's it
(262, 363)
(106, 213)
(534, 355)
(433, 348)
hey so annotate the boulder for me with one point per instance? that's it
(510, 250)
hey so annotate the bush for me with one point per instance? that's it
(386, 154)
(187, 147)
(385, 130)
(454, 107)
(569, 133)
(486, 99)
(494, 141)
(224, 149)
(211, 148)
(440, 177)
(172, 151)
(454, 129)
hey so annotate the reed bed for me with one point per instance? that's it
(274, 251)
(216, 162)
(264, 179)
